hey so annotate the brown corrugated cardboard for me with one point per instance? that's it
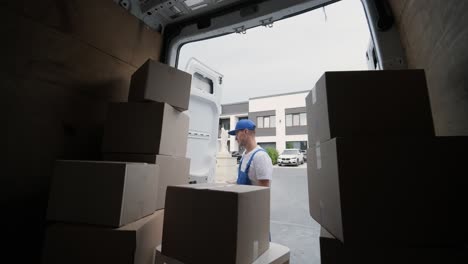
(313, 191)
(102, 193)
(158, 82)
(172, 170)
(332, 251)
(369, 103)
(206, 223)
(145, 128)
(275, 254)
(381, 190)
(87, 25)
(76, 244)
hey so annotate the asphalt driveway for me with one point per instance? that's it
(291, 224)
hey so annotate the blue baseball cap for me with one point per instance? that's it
(241, 125)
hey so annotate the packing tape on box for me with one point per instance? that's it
(318, 154)
(255, 249)
(321, 206)
(314, 95)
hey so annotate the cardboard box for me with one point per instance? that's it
(102, 193)
(158, 82)
(275, 254)
(145, 128)
(381, 190)
(369, 103)
(76, 244)
(206, 223)
(172, 170)
(332, 251)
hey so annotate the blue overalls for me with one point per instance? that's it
(243, 176)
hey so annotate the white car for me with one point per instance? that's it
(291, 157)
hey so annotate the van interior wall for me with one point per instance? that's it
(63, 61)
(435, 38)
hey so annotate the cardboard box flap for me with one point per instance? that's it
(234, 188)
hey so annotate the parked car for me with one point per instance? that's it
(291, 157)
(304, 154)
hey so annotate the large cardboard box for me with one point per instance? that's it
(333, 251)
(368, 190)
(158, 82)
(76, 244)
(172, 170)
(145, 128)
(275, 254)
(369, 103)
(206, 223)
(102, 193)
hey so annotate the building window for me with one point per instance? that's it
(303, 119)
(298, 119)
(260, 122)
(266, 145)
(266, 121)
(288, 120)
(302, 145)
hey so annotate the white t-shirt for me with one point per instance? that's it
(261, 167)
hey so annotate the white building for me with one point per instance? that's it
(281, 120)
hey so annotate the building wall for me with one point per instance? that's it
(63, 61)
(279, 104)
(263, 132)
(235, 108)
(435, 36)
(296, 130)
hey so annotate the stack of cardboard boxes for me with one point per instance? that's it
(381, 184)
(216, 223)
(111, 211)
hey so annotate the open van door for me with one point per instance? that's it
(204, 110)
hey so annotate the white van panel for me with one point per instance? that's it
(204, 110)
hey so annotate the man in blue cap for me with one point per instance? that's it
(255, 167)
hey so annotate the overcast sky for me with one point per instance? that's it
(289, 57)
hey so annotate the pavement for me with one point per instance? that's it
(291, 224)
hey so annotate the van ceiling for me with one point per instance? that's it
(158, 14)
(183, 21)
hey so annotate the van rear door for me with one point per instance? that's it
(204, 110)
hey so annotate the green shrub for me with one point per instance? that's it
(273, 153)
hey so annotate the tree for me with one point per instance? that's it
(273, 153)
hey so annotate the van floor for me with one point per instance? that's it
(291, 224)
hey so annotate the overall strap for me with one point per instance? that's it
(240, 164)
(250, 160)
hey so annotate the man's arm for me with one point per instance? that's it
(263, 169)
(265, 183)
